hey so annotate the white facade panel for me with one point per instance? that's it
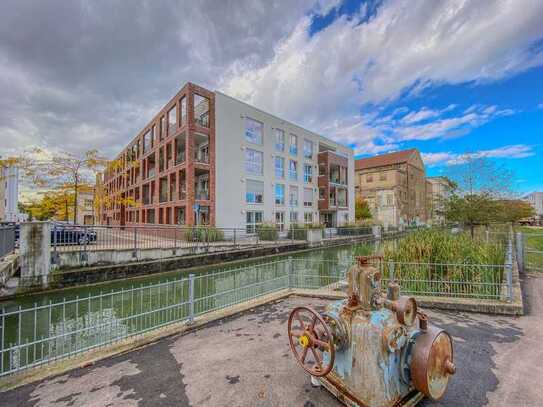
(232, 177)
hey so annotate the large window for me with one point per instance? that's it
(293, 195)
(279, 167)
(201, 110)
(279, 194)
(293, 218)
(172, 120)
(293, 170)
(162, 128)
(308, 218)
(308, 197)
(279, 140)
(308, 149)
(147, 141)
(308, 173)
(253, 219)
(183, 116)
(254, 131)
(255, 192)
(254, 162)
(280, 220)
(293, 147)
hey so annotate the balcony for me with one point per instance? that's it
(180, 159)
(201, 157)
(202, 195)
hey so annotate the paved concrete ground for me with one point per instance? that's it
(245, 361)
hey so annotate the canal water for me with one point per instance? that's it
(66, 322)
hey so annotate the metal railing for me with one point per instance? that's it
(480, 281)
(44, 333)
(48, 332)
(7, 240)
(530, 251)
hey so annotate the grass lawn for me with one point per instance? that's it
(534, 247)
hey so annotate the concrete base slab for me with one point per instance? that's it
(245, 360)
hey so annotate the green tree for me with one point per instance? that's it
(362, 209)
(480, 185)
(63, 172)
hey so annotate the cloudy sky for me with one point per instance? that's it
(446, 77)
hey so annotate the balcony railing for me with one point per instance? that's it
(202, 195)
(180, 159)
(201, 158)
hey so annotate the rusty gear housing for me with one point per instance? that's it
(375, 349)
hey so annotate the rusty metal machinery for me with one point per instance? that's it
(373, 349)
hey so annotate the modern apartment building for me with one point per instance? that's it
(438, 190)
(536, 200)
(9, 193)
(394, 185)
(207, 158)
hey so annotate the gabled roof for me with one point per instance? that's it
(382, 160)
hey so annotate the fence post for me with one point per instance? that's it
(135, 253)
(391, 271)
(191, 298)
(509, 267)
(520, 252)
(235, 230)
(290, 272)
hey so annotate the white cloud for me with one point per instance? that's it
(405, 47)
(449, 158)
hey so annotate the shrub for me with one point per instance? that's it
(267, 231)
(203, 234)
(353, 229)
(299, 232)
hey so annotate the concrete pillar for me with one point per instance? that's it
(35, 253)
(376, 230)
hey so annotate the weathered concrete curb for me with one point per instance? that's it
(8, 267)
(90, 357)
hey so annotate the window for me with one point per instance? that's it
(147, 141)
(369, 178)
(255, 192)
(280, 220)
(383, 176)
(201, 110)
(293, 170)
(254, 161)
(162, 128)
(279, 140)
(279, 167)
(322, 194)
(279, 194)
(308, 173)
(153, 136)
(293, 195)
(389, 199)
(183, 116)
(308, 218)
(293, 218)
(253, 219)
(254, 131)
(172, 119)
(308, 196)
(308, 149)
(293, 144)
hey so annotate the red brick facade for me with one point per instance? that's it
(168, 168)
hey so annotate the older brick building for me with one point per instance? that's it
(207, 158)
(394, 185)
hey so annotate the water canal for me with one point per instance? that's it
(38, 328)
